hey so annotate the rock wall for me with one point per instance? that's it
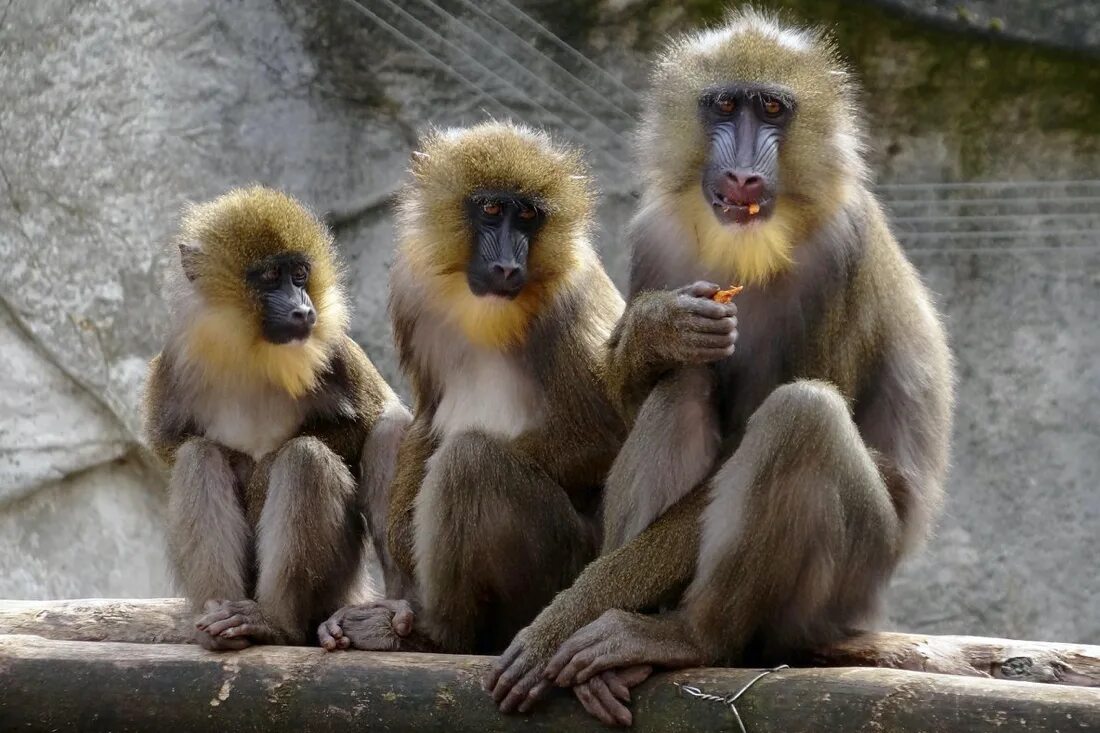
(116, 114)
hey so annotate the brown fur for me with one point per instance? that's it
(218, 380)
(484, 516)
(834, 411)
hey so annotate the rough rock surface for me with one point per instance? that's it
(116, 114)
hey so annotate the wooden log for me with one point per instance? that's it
(67, 685)
(167, 620)
(974, 656)
(133, 620)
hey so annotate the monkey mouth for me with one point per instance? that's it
(729, 211)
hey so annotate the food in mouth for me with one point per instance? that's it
(754, 209)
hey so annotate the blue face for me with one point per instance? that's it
(504, 226)
(280, 283)
(745, 125)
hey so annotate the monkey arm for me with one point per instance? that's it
(645, 572)
(905, 423)
(416, 448)
(167, 423)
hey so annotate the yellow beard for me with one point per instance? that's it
(225, 347)
(491, 322)
(746, 254)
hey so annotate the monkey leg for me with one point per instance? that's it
(496, 538)
(670, 450)
(377, 468)
(799, 537)
(209, 539)
(309, 544)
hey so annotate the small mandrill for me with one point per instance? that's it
(274, 422)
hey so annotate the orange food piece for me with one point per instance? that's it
(725, 296)
(754, 209)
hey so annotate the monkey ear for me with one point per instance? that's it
(190, 257)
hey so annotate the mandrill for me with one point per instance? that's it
(786, 450)
(501, 312)
(275, 424)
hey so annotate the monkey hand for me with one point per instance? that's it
(616, 652)
(682, 327)
(379, 626)
(605, 696)
(516, 680)
(232, 625)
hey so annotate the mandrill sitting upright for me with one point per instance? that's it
(501, 313)
(274, 421)
(785, 451)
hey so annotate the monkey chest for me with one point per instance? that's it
(490, 392)
(252, 424)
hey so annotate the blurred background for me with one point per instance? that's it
(984, 122)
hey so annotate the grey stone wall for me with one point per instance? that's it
(117, 113)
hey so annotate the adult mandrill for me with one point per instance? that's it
(766, 494)
(501, 312)
(270, 417)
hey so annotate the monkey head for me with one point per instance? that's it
(493, 219)
(262, 285)
(749, 135)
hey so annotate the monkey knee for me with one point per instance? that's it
(201, 452)
(467, 456)
(308, 460)
(801, 406)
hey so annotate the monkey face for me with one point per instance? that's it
(280, 283)
(745, 126)
(503, 225)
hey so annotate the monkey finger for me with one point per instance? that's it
(705, 308)
(610, 703)
(403, 621)
(616, 684)
(343, 642)
(534, 695)
(579, 662)
(519, 692)
(701, 289)
(330, 635)
(245, 629)
(503, 662)
(593, 705)
(220, 614)
(216, 628)
(720, 326)
(573, 646)
(707, 341)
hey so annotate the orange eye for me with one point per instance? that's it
(725, 105)
(270, 275)
(772, 107)
(527, 212)
(491, 209)
(301, 272)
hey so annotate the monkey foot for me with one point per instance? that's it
(379, 626)
(228, 625)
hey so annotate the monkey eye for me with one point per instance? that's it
(772, 106)
(270, 275)
(527, 212)
(725, 105)
(492, 208)
(300, 273)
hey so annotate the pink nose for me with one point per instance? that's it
(743, 188)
